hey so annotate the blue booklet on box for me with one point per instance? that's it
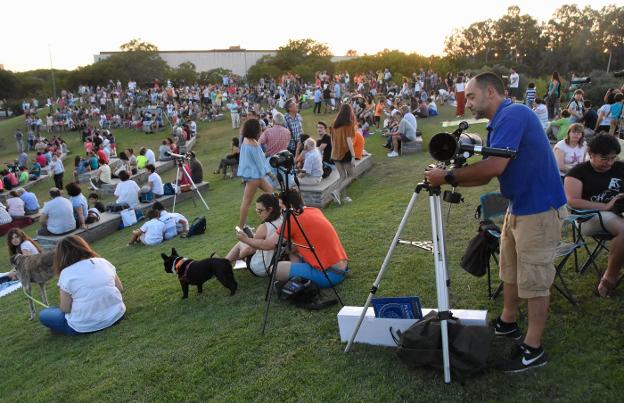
(397, 307)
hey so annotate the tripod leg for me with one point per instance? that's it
(194, 186)
(382, 271)
(177, 189)
(439, 249)
(278, 252)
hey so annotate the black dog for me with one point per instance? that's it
(197, 272)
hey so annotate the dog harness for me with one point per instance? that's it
(177, 264)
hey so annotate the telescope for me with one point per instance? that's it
(455, 148)
(186, 156)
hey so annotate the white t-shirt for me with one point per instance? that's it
(571, 156)
(27, 246)
(173, 224)
(157, 185)
(514, 80)
(105, 173)
(96, 301)
(261, 260)
(151, 157)
(154, 232)
(606, 110)
(60, 215)
(127, 192)
(542, 114)
(459, 87)
(15, 206)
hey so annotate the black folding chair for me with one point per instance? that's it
(576, 219)
(492, 206)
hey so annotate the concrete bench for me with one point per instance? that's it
(320, 195)
(140, 177)
(411, 147)
(109, 222)
(5, 194)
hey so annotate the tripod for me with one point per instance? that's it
(439, 257)
(180, 167)
(282, 245)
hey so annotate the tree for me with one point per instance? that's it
(214, 76)
(351, 53)
(135, 45)
(184, 73)
(299, 51)
(9, 85)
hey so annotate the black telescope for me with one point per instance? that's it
(459, 146)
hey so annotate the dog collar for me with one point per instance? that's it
(178, 262)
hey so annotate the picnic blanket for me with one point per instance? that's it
(20, 222)
(9, 287)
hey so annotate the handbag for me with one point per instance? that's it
(128, 217)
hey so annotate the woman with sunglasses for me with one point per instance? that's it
(267, 207)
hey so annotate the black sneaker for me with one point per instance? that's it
(504, 329)
(525, 358)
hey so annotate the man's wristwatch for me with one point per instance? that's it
(450, 178)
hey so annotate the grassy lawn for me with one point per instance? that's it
(209, 346)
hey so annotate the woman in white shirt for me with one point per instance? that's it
(127, 191)
(15, 205)
(267, 207)
(90, 291)
(572, 150)
(21, 243)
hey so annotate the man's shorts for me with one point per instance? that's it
(594, 226)
(527, 251)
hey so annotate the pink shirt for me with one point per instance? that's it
(275, 139)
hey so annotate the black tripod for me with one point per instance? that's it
(286, 244)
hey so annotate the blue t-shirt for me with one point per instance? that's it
(616, 110)
(531, 181)
(80, 202)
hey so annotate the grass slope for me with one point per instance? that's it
(209, 347)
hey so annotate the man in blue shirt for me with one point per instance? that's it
(31, 204)
(294, 123)
(532, 227)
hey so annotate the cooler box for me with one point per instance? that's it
(376, 331)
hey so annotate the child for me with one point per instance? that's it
(529, 95)
(616, 112)
(150, 233)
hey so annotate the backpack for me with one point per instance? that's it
(168, 189)
(470, 347)
(197, 227)
(476, 258)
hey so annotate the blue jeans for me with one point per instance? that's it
(305, 270)
(54, 318)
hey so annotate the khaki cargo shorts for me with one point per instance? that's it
(527, 251)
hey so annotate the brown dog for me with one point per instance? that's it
(34, 269)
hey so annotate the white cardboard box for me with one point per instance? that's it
(376, 331)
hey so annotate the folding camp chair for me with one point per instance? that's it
(494, 205)
(576, 219)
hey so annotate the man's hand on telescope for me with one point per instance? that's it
(435, 176)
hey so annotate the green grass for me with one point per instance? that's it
(209, 346)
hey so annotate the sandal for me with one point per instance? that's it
(607, 286)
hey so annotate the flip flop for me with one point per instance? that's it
(607, 285)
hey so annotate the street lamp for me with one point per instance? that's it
(609, 62)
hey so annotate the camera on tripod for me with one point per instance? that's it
(283, 159)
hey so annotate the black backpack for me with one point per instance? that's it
(476, 258)
(470, 347)
(197, 227)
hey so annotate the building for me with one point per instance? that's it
(235, 59)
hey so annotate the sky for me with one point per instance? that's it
(67, 33)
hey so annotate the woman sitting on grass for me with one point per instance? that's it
(90, 291)
(267, 207)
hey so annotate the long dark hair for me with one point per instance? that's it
(269, 201)
(70, 250)
(13, 250)
(345, 117)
